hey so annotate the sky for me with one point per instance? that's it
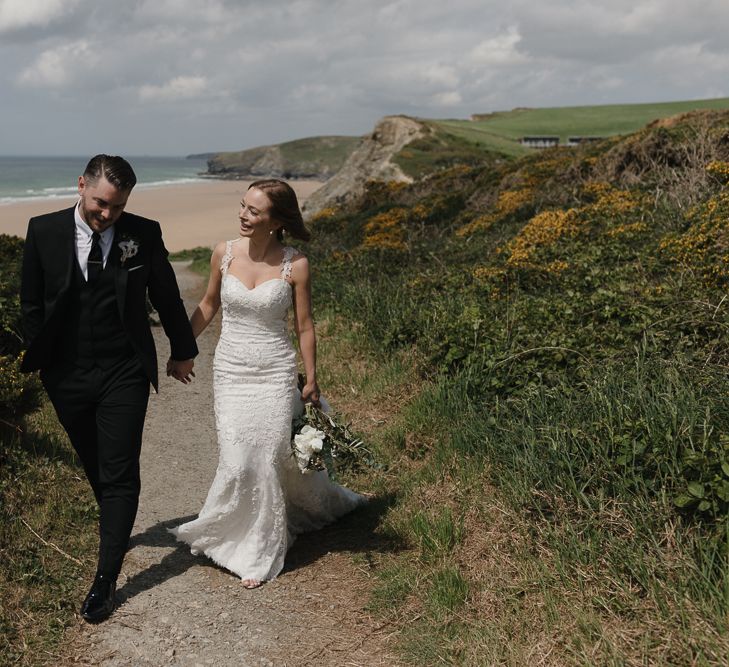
(173, 77)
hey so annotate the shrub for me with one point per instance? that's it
(19, 393)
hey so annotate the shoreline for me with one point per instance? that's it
(194, 213)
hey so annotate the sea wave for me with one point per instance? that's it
(172, 181)
(67, 192)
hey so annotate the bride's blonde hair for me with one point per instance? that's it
(284, 207)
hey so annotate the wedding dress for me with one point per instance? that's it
(259, 499)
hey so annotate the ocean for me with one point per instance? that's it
(24, 178)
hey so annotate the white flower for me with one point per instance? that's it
(308, 442)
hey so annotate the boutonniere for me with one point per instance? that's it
(129, 247)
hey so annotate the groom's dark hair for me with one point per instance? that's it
(113, 168)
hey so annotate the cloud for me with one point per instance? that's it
(55, 68)
(241, 72)
(179, 88)
(448, 99)
(20, 14)
(499, 50)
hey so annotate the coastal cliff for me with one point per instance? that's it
(371, 160)
(316, 158)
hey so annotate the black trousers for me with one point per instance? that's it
(103, 410)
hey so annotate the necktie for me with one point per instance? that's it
(95, 262)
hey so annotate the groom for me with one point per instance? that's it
(86, 273)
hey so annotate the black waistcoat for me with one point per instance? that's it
(92, 332)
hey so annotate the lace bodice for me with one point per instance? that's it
(265, 307)
(254, 338)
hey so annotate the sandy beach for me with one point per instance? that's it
(191, 214)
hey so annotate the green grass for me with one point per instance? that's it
(332, 151)
(563, 541)
(501, 131)
(48, 541)
(436, 535)
(439, 150)
(199, 258)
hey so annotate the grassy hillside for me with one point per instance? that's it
(313, 157)
(440, 149)
(538, 350)
(501, 131)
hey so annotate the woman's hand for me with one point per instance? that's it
(310, 394)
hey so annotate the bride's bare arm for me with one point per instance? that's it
(304, 326)
(210, 303)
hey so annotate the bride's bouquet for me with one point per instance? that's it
(320, 443)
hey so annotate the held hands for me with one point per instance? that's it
(310, 394)
(181, 370)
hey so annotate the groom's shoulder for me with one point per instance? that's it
(45, 219)
(132, 222)
(51, 227)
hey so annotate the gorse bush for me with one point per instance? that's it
(19, 393)
(531, 273)
(562, 465)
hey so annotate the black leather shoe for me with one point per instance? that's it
(99, 603)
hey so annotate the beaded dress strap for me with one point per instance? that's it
(288, 255)
(227, 258)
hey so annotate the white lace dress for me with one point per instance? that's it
(259, 499)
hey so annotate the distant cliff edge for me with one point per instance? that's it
(316, 158)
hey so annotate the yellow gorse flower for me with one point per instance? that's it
(542, 230)
(627, 230)
(487, 272)
(386, 231)
(704, 246)
(719, 169)
(508, 203)
(324, 214)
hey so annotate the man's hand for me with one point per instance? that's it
(181, 369)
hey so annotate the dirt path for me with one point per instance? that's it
(183, 610)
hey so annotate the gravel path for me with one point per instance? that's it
(183, 610)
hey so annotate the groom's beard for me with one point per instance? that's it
(94, 220)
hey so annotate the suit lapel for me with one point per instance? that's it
(120, 273)
(68, 235)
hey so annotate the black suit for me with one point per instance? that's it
(94, 348)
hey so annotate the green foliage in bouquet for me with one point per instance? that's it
(318, 442)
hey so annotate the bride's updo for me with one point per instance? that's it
(284, 207)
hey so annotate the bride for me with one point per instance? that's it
(259, 499)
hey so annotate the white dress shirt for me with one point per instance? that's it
(83, 242)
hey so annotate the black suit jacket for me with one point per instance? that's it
(48, 264)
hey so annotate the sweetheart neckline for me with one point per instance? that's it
(255, 287)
